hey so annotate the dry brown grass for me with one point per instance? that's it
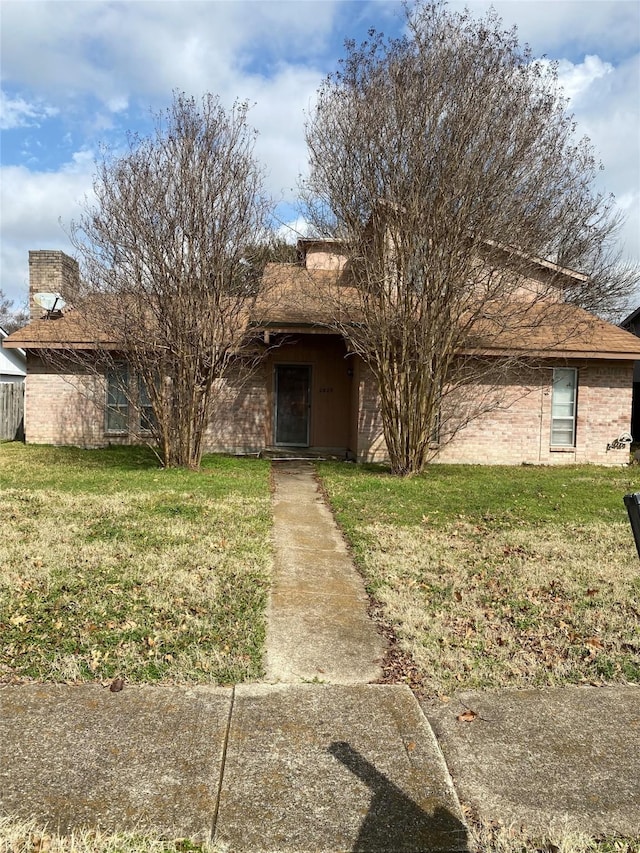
(18, 836)
(495, 838)
(479, 606)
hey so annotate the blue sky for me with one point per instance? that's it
(76, 74)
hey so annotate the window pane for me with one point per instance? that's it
(562, 433)
(147, 417)
(563, 407)
(117, 419)
(117, 411)
(563, 410)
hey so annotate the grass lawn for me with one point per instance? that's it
(111, 566)
(18, 836)
(25, 837)
(496, 576)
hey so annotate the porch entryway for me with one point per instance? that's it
(292, 405)
(310, 384)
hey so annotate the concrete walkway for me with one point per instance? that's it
(318, 628)
(342, 765)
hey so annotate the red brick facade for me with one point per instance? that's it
(343, 411)
(69, 409)
(521, 433)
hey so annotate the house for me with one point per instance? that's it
(13, 362)
(632, 324)
(13, 369)
(309, 392)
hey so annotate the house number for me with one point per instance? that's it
(326, 390)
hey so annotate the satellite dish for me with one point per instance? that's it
(49, 301)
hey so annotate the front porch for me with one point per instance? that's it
(312, 398)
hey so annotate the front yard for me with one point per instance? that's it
(494, 577)
(111, 567)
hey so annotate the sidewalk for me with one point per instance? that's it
(297, 765)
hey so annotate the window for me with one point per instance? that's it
(147, 418)
(117, 412)
(123, 392)
(563, 407)
(434, 435)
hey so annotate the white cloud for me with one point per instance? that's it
(294, 229)
(607, 109)
(118, 103)
(582, 26)
(113, 51)
(17, 112)
(102, 63)
(278, 114)
(36, 208)
(576, 79)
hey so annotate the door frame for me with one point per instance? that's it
(276, 367)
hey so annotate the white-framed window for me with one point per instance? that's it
(564, 399)
(117, 408)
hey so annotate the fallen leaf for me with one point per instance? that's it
(467, 716)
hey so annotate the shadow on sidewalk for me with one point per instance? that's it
(394, 821)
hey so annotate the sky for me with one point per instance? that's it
(77, 74)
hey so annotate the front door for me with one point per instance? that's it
(292, 404)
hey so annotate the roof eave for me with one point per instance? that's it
(553, 353)
(25, 346)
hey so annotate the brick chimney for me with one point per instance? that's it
(50, 271)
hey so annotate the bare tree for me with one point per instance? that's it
(593, 246)
(11, 318)
(168, 280)
(445, 161)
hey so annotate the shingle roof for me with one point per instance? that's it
(298, 299)
(561, 330)
(69, 330)
(546, 328)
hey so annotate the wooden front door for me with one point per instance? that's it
(292, 404)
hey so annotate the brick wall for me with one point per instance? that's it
(604, 410)
(238, 424)
(521, 433)
(371, 444)
(69, 408)
(63, 408)
(50, 271)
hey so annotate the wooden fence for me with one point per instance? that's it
(11, 411)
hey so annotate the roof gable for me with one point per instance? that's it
(296, 298)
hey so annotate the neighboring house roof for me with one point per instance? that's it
(13, 360)
(295, 300)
